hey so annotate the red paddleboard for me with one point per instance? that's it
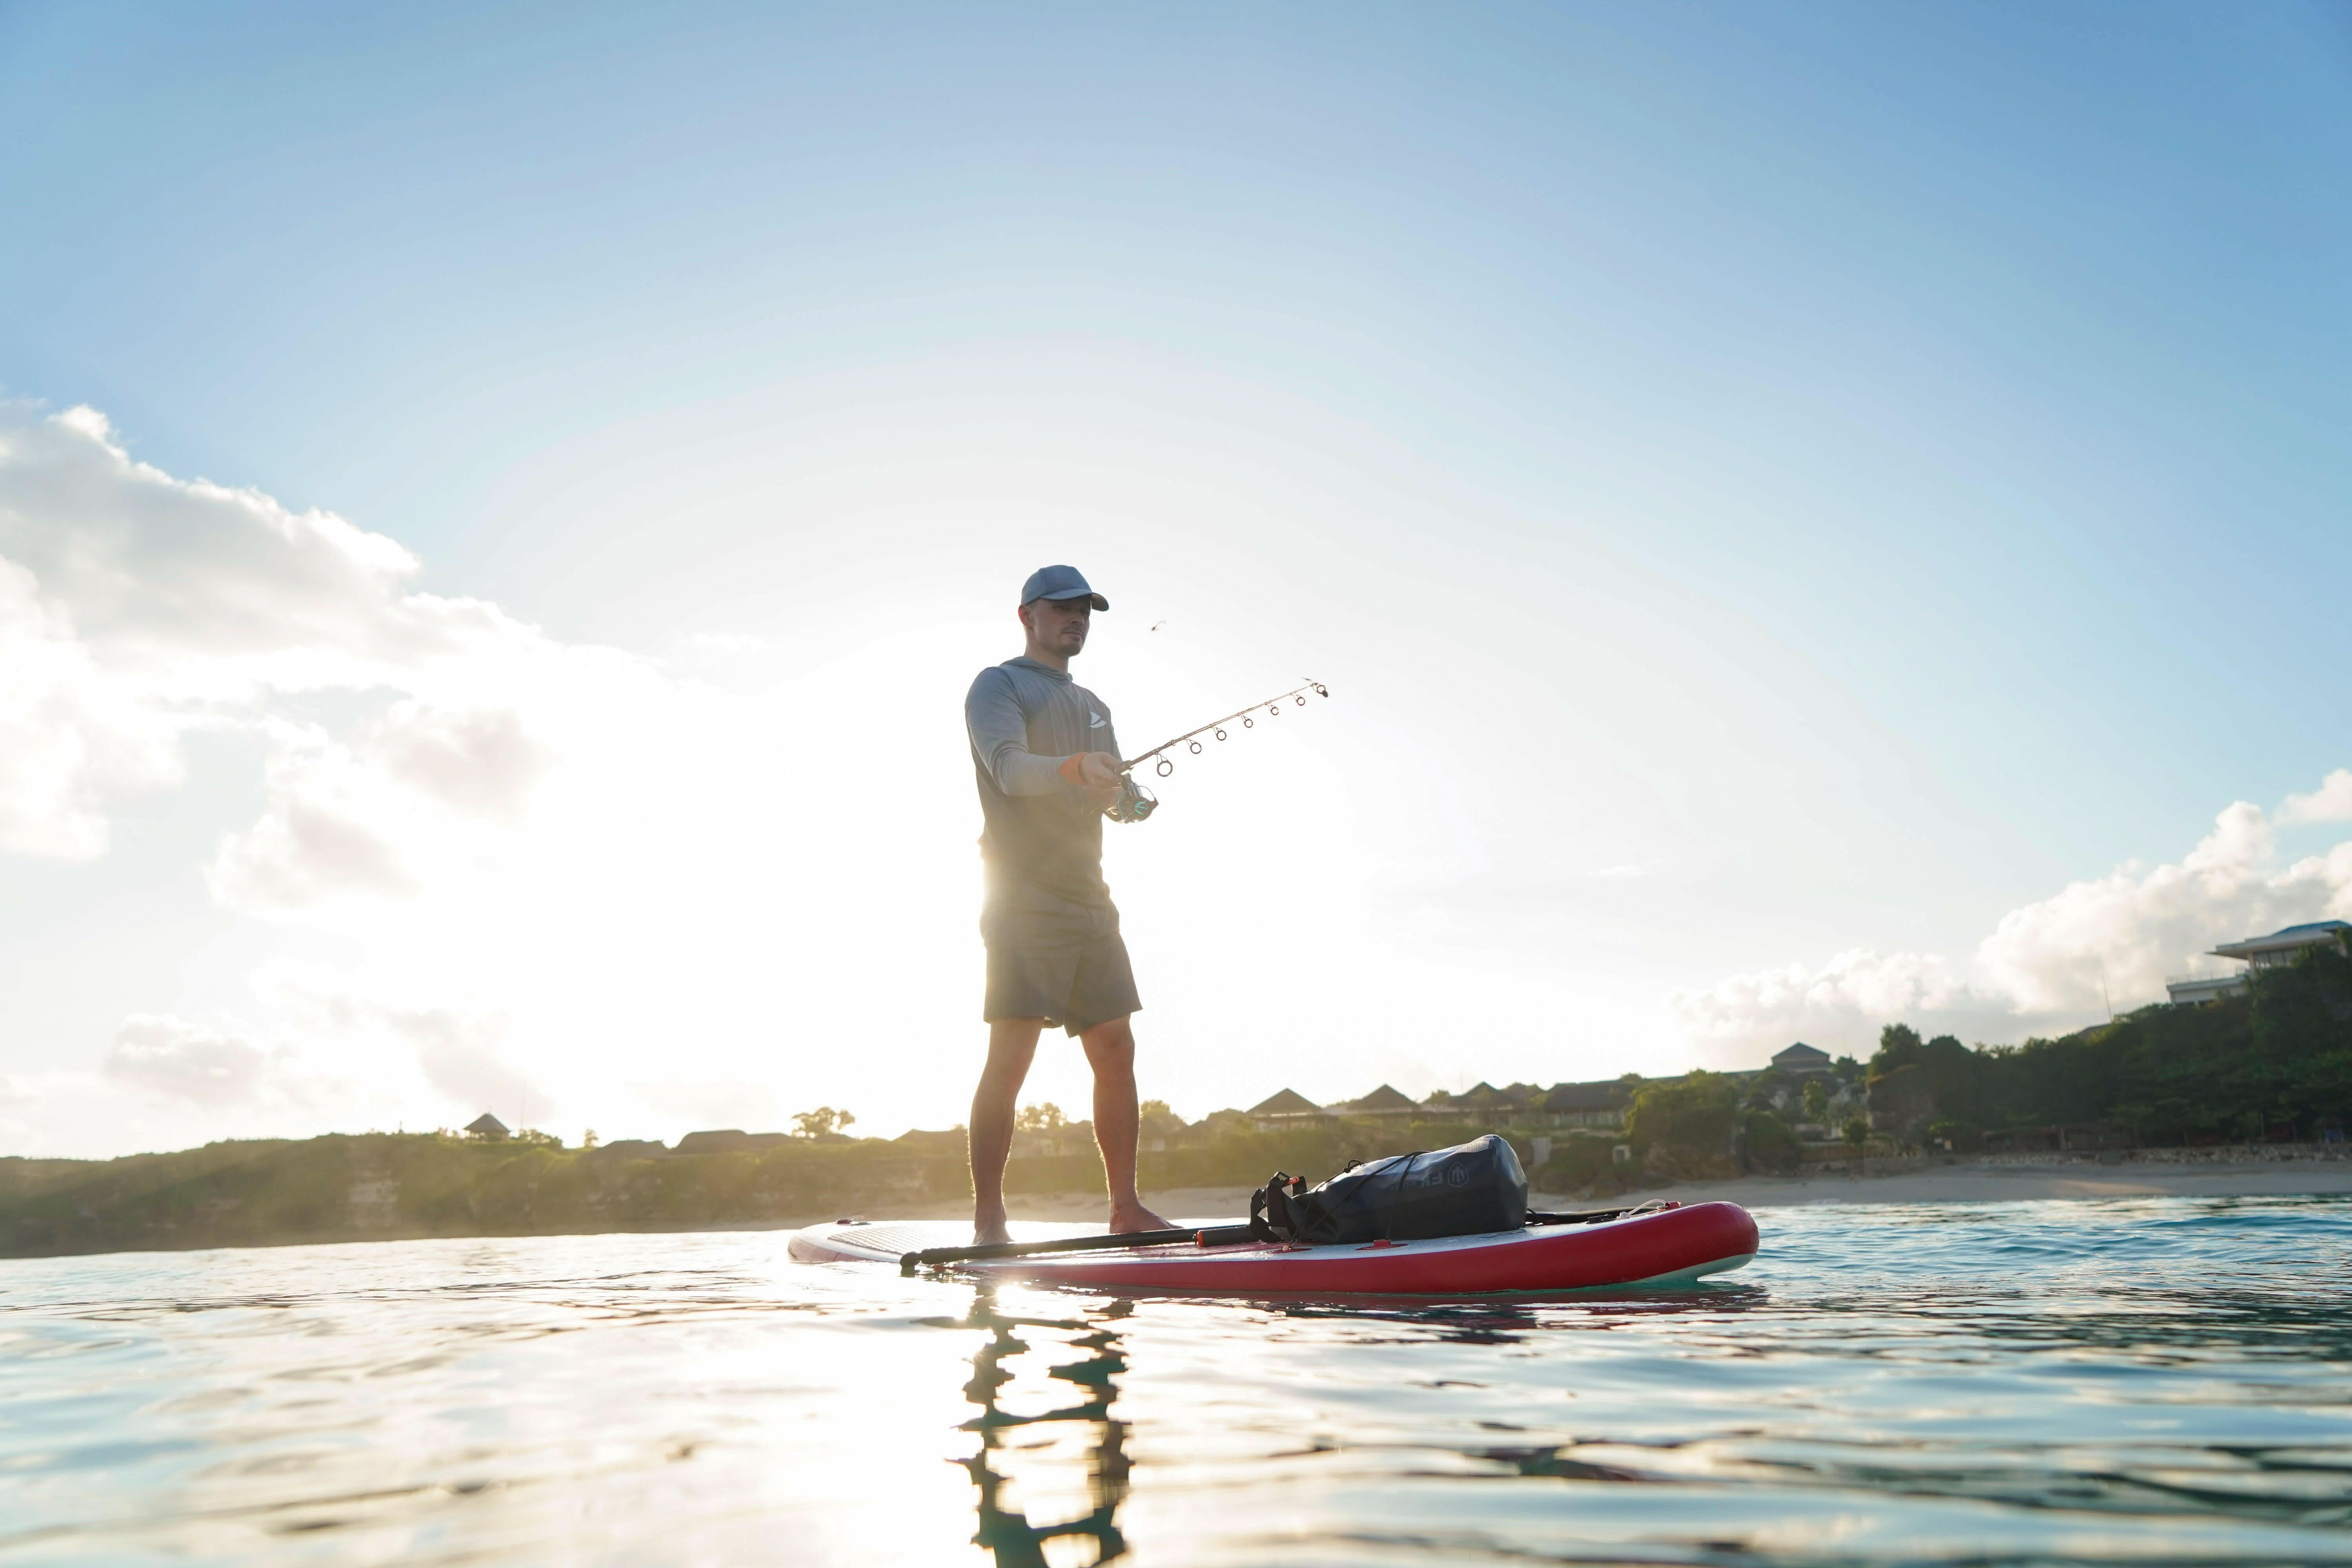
(1670, 1246)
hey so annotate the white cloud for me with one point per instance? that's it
(135, 607)
(2131, 928)
(315, 839)
(459, 1059)
(156, 568)
(356, 814)
(396, 824)
(181, 1060)
(2331, 801)
(2057, 962)
(1837, 1000)
(481, 761)
(72, 744)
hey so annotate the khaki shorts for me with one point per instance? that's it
(1071, 974)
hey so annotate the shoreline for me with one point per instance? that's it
(1966, 1182)
(2005, 1180)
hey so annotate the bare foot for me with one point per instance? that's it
(989, 1230)
(1128, 1218)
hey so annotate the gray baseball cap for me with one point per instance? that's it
(1061, 583)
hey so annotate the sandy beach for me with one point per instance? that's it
(1961, 1183)
(1993, 1184)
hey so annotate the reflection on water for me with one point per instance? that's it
(2129, 1383)
(1005, 1529)
(1059, 1428)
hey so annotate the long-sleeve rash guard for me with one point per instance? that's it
(1043, 833)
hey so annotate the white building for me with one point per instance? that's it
(2274, 951)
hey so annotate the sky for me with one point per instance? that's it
(1811, 517)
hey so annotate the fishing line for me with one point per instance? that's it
(1135, 802)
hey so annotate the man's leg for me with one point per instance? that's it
(1011, 1043)
(1110, 1051)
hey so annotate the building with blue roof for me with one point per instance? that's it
(2273, 952)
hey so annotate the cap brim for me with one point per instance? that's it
(1099, 601)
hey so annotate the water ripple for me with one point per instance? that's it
(2157, 1380)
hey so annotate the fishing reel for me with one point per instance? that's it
(1134, 803)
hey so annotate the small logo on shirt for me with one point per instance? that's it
(1097, 718)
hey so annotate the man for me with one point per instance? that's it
(1047, 765)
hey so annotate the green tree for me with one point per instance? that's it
(1857, 1131)
(816, 1123)
(1044, 1117)
(1914, 1082)
(1958, 1137)
(1696, 1113)
(1771, 1144)
(1898, 1046)
(1766, 1087)
(1816, 1100)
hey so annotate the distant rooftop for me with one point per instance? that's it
(1283, 1102)
(1607, 1094)
(2292, 939)
(2204, 988)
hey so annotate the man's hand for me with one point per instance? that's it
(1095, 771)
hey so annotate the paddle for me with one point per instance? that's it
(1216, 1236)
(1219, 1235)
(1590, 1216)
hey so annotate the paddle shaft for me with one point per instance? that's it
(1216, 1236)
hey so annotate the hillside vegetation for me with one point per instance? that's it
(382, 1186)
(2274, 1062)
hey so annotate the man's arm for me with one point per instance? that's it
(1000, 739)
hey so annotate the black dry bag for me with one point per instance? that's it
(1471, 1189)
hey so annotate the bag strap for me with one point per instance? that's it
(1274, 1212)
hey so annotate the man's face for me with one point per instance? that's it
(1060, 625)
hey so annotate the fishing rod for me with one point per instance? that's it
(1135, 802)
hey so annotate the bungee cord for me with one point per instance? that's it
(1135, 802)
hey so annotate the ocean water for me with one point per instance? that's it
(2130, 1382)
